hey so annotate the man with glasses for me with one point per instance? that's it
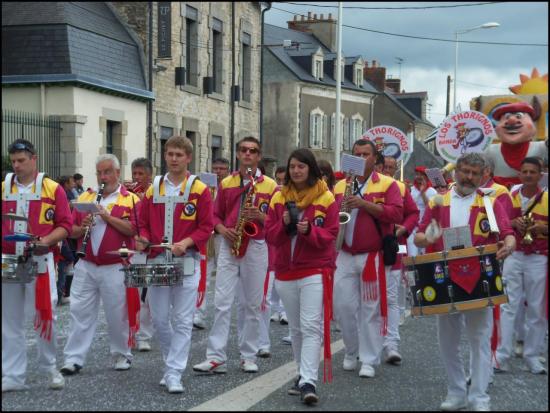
(97, 276)
(464, 205)
(43, 204)
(250, 269)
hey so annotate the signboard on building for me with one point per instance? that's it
(164, 29)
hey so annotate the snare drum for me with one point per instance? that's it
(16, 270)
(458, 280)
(151, 275)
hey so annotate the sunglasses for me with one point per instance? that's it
(253, 151)
(15, 147)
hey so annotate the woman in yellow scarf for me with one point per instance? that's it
(301, 227)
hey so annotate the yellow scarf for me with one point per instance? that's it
(304, 197)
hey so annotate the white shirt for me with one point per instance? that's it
(99, 225)
(417, 197)
(171, 188)
(24, 189)
(460, 208)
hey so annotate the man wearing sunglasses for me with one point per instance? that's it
(250, 268)
(43, 203)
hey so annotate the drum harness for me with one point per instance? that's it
(169, 208)
(23, 200)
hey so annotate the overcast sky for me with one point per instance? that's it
(483, 69)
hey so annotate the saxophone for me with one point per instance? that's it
(245, 229)
(344, 215)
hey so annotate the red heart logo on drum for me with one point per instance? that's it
(465, 272)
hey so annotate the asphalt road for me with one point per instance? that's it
(417, 385)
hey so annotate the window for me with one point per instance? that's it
(191, 45)
(358, 77)
(165, 133)
(333, 133)
(316, 127)
(356, 127)
(345, 134)
(246, 67)
(216, 147)
(317, 64)
(318, 69)
(217, 54)
(192, 137)
(110, 136)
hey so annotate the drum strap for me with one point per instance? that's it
(490, 214)
(170, 203)
(22, 200)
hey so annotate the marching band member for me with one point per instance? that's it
(178, 207)
(44, 203)
(525, 272)
(142, 173)
(303, 260)
(239, 202)
(393, 277)
(360, 300)
(422, 192)
(220, 167)
(501, 192)
(463, 205)
(97, 274)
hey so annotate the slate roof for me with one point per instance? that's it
(298, 59)
(77, 42)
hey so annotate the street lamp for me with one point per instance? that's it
(489, 25)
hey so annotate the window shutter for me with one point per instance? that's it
(325, 136)
(365, 127)
(332, 130)
(345, 135)
(311, 129)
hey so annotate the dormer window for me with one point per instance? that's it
(358, 73)
(317, 64)
(341, 69)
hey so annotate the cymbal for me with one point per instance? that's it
(14, 217)
(122, 252)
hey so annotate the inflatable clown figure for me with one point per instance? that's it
(516, 131)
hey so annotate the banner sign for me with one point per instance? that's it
(390, 141)
(462, 133)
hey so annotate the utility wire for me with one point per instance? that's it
(427, 38)
(394, 8)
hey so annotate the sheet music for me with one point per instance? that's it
(436, 177)
(352, 164)
(209, 179)
(457, 237)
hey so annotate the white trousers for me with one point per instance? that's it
(393, 282)
(264, 342)
(91, 283)
(359, 320)
(524, 274)
(303, 301)
(172, 309)
(250, 269)
(17, 303)
(478, 326)
(146, 329)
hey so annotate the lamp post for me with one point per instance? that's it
(489, 25)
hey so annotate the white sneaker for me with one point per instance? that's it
(11, 386)
(481, 407)
(122, 363)
(70, 368)
(287, 340)
(393, 357)
(367, 371)
(535, 366)
(174, 384)
(57, 381)
(211, 366)
(274, 317)
(542, 358)
(249, 366)
(199, 323)
(283, 320)
(263, 353)
(518, 349)
(350, 363)
(144, 345)
(452, 403)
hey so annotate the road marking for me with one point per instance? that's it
(248, 394)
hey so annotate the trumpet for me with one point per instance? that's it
(344, 215)
(82, 250)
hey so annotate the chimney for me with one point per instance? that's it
(323, 29)
(394, 85)
(376, 75)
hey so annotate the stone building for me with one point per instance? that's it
(77, 61)
(206, 73)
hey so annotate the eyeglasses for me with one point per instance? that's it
(252, 151)
(19, 146)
